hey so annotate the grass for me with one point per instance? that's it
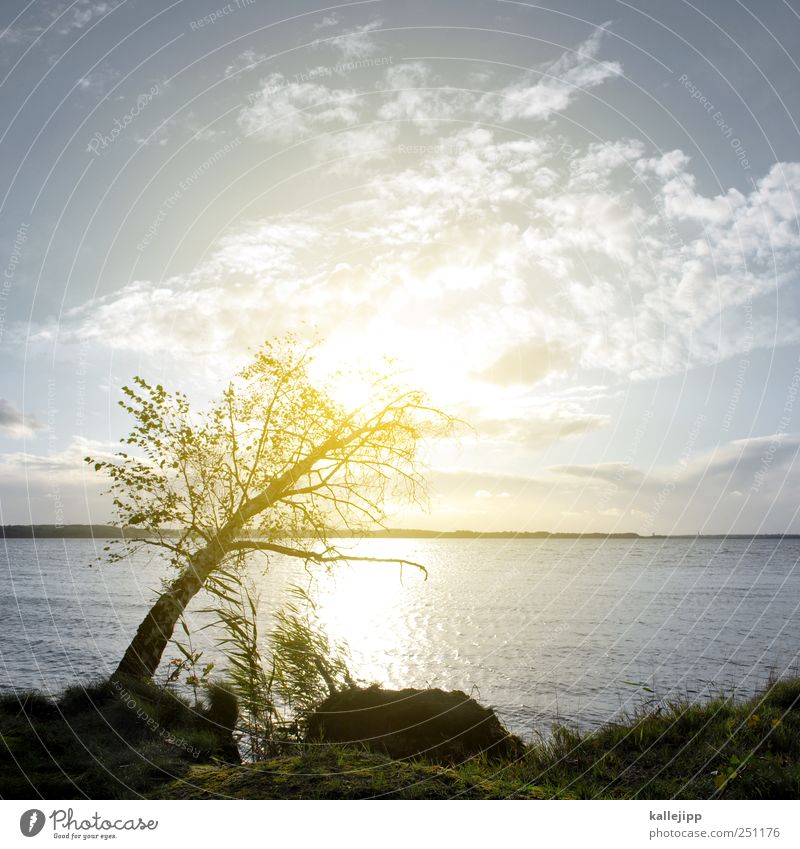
(98, 741)
(333, 772)
(83, 746)
(720, 749)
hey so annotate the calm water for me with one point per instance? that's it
(541, 630)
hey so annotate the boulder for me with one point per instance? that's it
(438, 725)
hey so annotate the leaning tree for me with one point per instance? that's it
(276, 464)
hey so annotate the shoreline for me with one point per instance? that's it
(112, 532)
(81, 746)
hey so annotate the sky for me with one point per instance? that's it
(574, 224)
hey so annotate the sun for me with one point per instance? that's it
(413, 356)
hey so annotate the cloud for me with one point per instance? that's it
(54, 488)
(285, 110)
(459, 481)
(98, 81)
(78, 16)
(537, 430)
(15, 423)
(245, 61)
(15, 35)
(540, 94)
(485, 263)
(526, 363)
(415, 96)
(327, 21)
(603, 473)
(61, 18)
(744, 480)
(744, 486)
(602, 254)
(355, 43)
(357, 149)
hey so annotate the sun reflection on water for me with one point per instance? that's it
(366, 607)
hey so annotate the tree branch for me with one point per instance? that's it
(316, 556)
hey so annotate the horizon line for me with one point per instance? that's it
(102, 531)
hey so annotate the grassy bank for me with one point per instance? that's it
(93, 744)
(98, 741)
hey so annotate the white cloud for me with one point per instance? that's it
(358, 148)
(13, 35)
(526, 363)
(55, 488)
(462, 246)
(417, 97)
(61, 18)
(16, 424)
(98, 81)
(79, 15)
(538, 429)
(745, 486)
(540, 94)
(245, 61)
(355, 43)
(327, 21)
(602, 472)
(486, 265)
(285, 111)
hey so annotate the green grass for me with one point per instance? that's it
(85, 746)
(93, 743)
(721, 749)
(334, 772)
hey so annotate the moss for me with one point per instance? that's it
(333, 773)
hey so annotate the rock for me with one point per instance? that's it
(222, 715)
(438, 725)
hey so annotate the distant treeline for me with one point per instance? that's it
(108, 531)
(111, 532)
(403, 533)
(67, 532)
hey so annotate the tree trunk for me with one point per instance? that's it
(143, 655)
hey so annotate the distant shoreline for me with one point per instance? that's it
(110, 532)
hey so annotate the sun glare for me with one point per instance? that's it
(415, 356)
(363, 607)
